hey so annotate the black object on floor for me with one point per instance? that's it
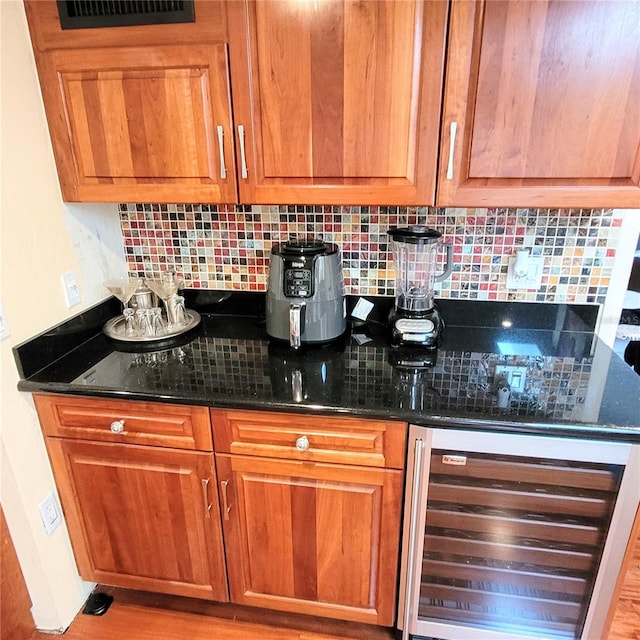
(632, 355)
(97, 604)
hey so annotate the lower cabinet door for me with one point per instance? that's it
(319, 539)
(142, 517)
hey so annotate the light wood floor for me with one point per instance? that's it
(135, 616)
(143, 623)
(626, 623)
(139, 616)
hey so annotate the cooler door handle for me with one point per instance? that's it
(412, 561)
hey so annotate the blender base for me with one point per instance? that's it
(422, 329)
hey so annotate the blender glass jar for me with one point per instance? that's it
(415, 251)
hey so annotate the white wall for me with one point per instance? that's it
(625, 252)
(40, 238)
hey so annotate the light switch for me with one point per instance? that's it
(50, 513)
(70, 288)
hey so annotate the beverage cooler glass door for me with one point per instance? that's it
(510, 536)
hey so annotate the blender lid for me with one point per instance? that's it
(415, 234)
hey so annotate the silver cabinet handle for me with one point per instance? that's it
(413, 518)
(205, 497)
(225, 502)
(243, 157)
(223, 167)
(302, 443)
(453, 129)
(117, 426)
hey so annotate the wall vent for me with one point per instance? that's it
(82, 14)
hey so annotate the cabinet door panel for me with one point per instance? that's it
(140, 123)
(138, 518)
(340, 99)
(546, 98)
(313, 538)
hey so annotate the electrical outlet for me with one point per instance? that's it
(516, 376)
(70, 288)
(532, 280)
(50, 513)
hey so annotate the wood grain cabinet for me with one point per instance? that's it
(137, 486)
(542, 104)
(311, 512)
(138, 114)
(333, 103)
(339, 100)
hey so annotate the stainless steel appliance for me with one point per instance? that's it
(305, 302)
(512, 536)
(415, 319)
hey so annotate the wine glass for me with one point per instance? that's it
(122, 288)
(166, 288)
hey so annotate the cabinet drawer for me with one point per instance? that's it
(373, 443)
(156, 424)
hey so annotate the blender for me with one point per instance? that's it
(415, 319)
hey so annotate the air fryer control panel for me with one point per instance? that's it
(298, 282)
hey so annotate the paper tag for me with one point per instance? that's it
(362, 309)
(361, 338)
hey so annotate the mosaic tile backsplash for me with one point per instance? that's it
(227, 246)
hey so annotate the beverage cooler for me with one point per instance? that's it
(513, 536)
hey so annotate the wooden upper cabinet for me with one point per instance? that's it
(339, 100)
(544, 98)
(141, 123)
(139, 113)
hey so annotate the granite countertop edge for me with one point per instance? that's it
(86, 335)
(466, 422)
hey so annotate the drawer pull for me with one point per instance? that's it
(117, 426)
(225, 502)
(205, 497)
(302, 443)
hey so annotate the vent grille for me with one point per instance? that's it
(82, 14)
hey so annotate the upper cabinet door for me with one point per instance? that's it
(141, 124)
(542, 104)
(339, 100)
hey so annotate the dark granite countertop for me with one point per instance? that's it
(573, 384)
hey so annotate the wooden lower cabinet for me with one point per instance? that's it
(311, 538)
(308, 523)
(142, 517)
